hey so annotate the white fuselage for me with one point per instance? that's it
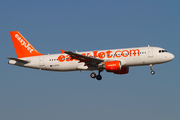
(128, 57)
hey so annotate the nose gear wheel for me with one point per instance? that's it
(152, 72)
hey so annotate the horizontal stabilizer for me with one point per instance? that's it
(19, 60)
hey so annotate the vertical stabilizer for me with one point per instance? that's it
(22, 47)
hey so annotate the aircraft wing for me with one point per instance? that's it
(82, 58)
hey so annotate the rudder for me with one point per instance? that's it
(22, 47)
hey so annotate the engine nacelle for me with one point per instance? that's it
(124, 70)
(112, 66)
(115, 67)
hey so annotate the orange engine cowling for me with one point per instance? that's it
(115, 67)
(124, 70)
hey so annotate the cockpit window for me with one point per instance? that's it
(162, 51)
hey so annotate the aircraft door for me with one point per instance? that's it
(41, 62)
(150, 52)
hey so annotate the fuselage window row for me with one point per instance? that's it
(103, 55)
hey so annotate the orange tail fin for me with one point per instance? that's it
(22, 47)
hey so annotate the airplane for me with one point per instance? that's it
(116, 61)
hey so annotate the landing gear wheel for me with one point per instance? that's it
(98, 77)
(151, 67)
(152, 72)
(93, 75)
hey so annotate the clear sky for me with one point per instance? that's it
(82, 25)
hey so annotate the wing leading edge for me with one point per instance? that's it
(89, 61)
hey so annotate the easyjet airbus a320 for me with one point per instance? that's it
(116, 61)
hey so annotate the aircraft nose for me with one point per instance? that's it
(171, 56)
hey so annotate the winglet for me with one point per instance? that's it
(62, 51)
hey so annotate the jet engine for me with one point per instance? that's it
(115, 67)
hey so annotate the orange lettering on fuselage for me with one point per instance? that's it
(125, 53)
(118, 55)
(134, 51)
(61, 58)
(108, 54)
(68, 58)
(101, 55)
(95, 54)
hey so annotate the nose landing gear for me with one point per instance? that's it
(152, 72)
(98, 77)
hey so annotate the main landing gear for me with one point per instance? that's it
(98, 77)
(152, 72)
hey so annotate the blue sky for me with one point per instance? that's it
(90, 25)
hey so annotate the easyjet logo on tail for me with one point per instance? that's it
(23, 43)
(22, 47)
